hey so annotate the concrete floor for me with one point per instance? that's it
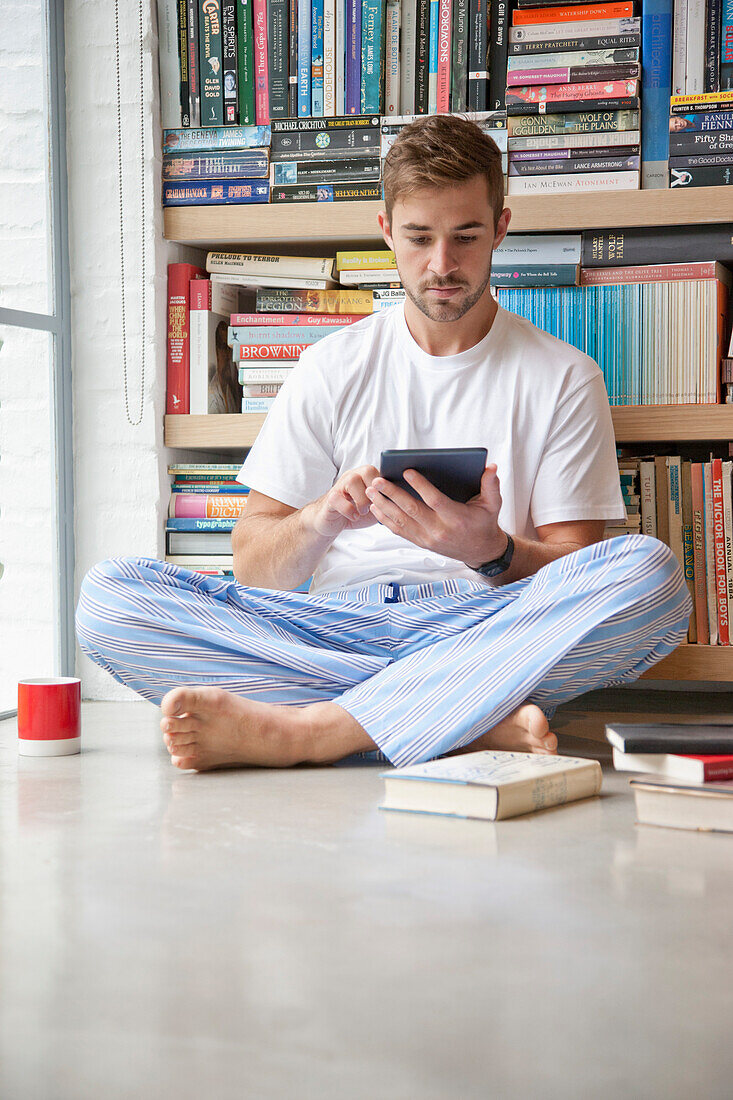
(267, 934)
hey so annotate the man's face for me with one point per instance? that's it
(442, 240)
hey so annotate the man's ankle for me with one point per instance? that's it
(330, 733)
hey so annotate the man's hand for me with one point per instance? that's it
(345, 505)
(467, 532)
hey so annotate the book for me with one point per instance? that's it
(305, 72)
(491, 785)
(575, 74)
(248, 352)
(459, 56)
(329, 58)
(178, 337)
(210, 63)
(656, 84)
(478, 55)
(682, 738)
(228, 164)
(588, 181)
(211, 139)
(656, 245)
(539, 248)
(193, 525)
(245, 63)
(198, 542)
(248, 263)
(230, 73)
(644, 273)
(293, 58)
(701, 177)
(422, 56)
(316, 8)
(391, 59)
(264, 375)
(679, 804)
(277, 58)
(200, 470)
(256, 405)
(285, 281)
(352, 97)
(408, 56)
(550, 32)
(590, 121)
(168, 65)
(701, 121)
(372, 19)
(498, 43)
(526, 47)
(552, 95)
(719, 555)
(310, 320)
(547, 167)
(343, 170)
(697, 768)
(702, 160)
(208, 193)
(378, 259)
(325, 145)
(432, 104)
(688, 545)
(326, 192)
(314, 301)
(238, 335)
(182, 40)
(445, 40)
(624, 9)
(704, 101)
(708, 530)
(535, 275)
(214, 386)
(200, 506)
(698, 546)
(389, 277)
(581, 59)
(565, 143)
(261, 65)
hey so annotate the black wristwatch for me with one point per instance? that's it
(498, 565)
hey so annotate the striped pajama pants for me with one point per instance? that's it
(423, 668)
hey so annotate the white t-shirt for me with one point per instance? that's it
(537, 404)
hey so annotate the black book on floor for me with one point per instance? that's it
(691, 738)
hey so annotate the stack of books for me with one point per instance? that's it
(701, 134)
(726, 377)
(573, 98)
(629, 478)
(206, 502)
(493, 123)
(375, 271)
(682, 770)
(215, 166)
(326, 159)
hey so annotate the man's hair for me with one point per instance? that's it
(442, 151)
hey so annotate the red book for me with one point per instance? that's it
(178, 393)
(282, 319)
(698, 549)
(721, 576)
(650, 273)
(692, 767)
(262, 73)
(271, 351)
(577, 13)
(444, 56)
(563, 93)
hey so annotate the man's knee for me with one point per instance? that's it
(99, 598)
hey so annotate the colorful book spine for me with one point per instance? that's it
(204, 506)
(292, 58)
(262, 93)
(353, 57)
(192, 524)
(329, 57)
(708, 529)
(178, 337)
(277, 58)
(240, 335)
(721, 579)
(721, 176)
(728, 531)
(679, 46)
(229, 61)
(422, 56)
(314, 301)
(170, 102)
(269, 351)
(584, 28)
(444, 56)
(264, 375)
(210, 63)
(574, 122)
(573, 74)
(194, 75)
(261, 389)
(576, 45)
(245, 59)
(183, 62)
(574, 14)
(726, 46)
(310, 320)
(216, 138)
(250, 163)
(305, 38)
(433, 57)
(408, 53)
(714, 14)
(656, 84)
(326, 192)
(583, 181)
(208, 193)
(695, 47)
(392, 58)
(371, 41)
(316, 7)
(498, 53)
(256, 405)
(340, 58)
(674, 506)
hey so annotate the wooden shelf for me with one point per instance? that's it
(331, 223)
(657, 423)
(694, 662)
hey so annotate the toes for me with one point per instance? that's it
(182, 723)
(181, 700)
(175, 744)
(184, 763)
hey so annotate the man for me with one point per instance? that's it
(430, 626)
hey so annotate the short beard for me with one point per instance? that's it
(445, 311)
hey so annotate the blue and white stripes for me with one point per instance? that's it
(423, 668)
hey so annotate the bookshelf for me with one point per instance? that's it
(299, 228)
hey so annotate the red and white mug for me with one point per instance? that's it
(49, 716)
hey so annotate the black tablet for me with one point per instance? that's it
(455, 471)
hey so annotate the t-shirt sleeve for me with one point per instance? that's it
(292, 458)
(578, 473)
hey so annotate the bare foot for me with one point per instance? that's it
(205, 727)
(524, 730)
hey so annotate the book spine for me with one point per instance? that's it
(245, 57)
(249, 163)
(192, 524)
(721, 579)
(422, 57)
(562, 144)
(270, 351)
(478, 59)
(589, 121)
(433, 57)
(198, 369)
(256, 405)
(727, 471)
(182, 43)
(584, 181)
(314, 301)
(576, 61)
(178, 338)
(558, 32)
(647, 484)
(648, 273)
(708, 528)
(317, 58)
(695, 47)
(263, 375)
(701, 101)
(194, 76)
(210, 193)
(214, 139)
(555, 94)
(353, 57)
(443, 76)
(340, 58)
(622, 42)
(408, 49)
(356, 170)
(305, 40)
(240, 335)
(292, 58)
(726, 46)
(459, 59)
(580, 164)
(329, 58)
(201, 506)
(552, 275)
(246, 263)
(571, 74)
(498, 53)
(371, 38)
(392, 58)
(574, 106)
(614, 247)
(722, 176)
(170, 102)
(656, 81)
(577, 13)
(262, 78)
(327, 192)
(717, 142)
(229, 61)
(277, 58)
(265, 320)
(701, 160)
(261, 389)
(674, 506)
(212, 99)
